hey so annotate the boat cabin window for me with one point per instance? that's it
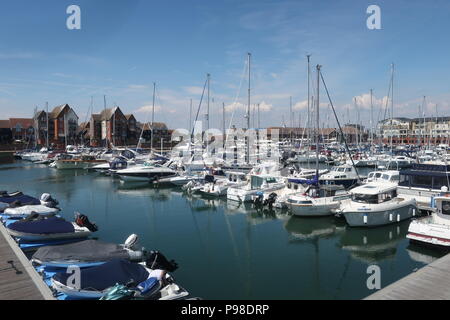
(439, 182)
(348, 169)
(383, 197)
(422, 181)
(446, 208)
(365, 198)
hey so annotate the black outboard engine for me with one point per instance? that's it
(270, 200)
(83, 221)
(258, 201)
(156, 260)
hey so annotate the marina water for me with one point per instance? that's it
(226, 250)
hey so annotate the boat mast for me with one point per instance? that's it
(153, 116)
(309, 97)
(106, 123)
(317, 120)
(208, 76)
(248, 109)
(371, 116)
(392, 105)
(46, 138)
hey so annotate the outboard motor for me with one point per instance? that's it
(258, 201)
(156, 260)
(131, 241)
(270, 200)
(47, 200)
(83, 221)
(118, 163)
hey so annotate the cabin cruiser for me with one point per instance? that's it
(422, 182)
(317, 200)
(344, 175)
(435, 228)
(376, 204)
(65, 162)
(146, 172)
(263, 178)
(41, 155)
(219, 187)
(386, 176)
(396, 162)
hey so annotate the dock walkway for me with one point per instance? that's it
(432, 282)
(18, 279)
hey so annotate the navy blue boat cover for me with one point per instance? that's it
(84, 251)
(22, 198)
(43, 226)
(107, 275)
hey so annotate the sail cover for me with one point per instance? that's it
(43, 226)
(84, 251)
(99, 278)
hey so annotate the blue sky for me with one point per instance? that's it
(125, 46)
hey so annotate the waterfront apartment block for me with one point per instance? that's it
(418, 131)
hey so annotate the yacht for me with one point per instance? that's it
(76, 162)
(146, 172)
(435, 228)
(344, 175)
(376, 204)
(317, 200)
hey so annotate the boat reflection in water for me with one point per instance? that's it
(424, 255)
(373, 244)
(255, 215)
(144, 189)
(313, 228)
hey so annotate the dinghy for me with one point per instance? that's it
(44, 228)
(18, 198)
(97, 282)
(87, 253)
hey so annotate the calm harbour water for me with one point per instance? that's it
(227, 251)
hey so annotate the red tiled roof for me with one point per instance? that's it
(4, 124)
(24, 122)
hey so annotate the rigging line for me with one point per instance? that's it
(198, 109)
(146, 122)
(239, 91)
(339, 124)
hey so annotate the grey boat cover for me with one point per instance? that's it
(84, 251)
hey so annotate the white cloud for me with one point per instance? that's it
(363, 101)
(148, 109)
(194, 90)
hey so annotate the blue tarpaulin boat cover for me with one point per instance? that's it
(22, 198)
(43, 226)
(117, 271)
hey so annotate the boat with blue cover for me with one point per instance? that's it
(43, 228)
(87, 253)
(147, 279)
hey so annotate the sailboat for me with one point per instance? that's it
(317, 199)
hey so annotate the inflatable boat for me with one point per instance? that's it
(43, 228)
(99, 281)
(87, 253)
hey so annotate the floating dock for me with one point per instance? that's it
(18, 279)
(431, 282)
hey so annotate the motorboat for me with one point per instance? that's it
(392, 176)
(218, 187)
(422, 182)
(18, 210)
(344, 175)
(98, 281)
(74, 162)
(317, 200)
(146, 172)
(48, 228)
(434, 229)
(87, 253)
(376, 204)
(263, 178)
